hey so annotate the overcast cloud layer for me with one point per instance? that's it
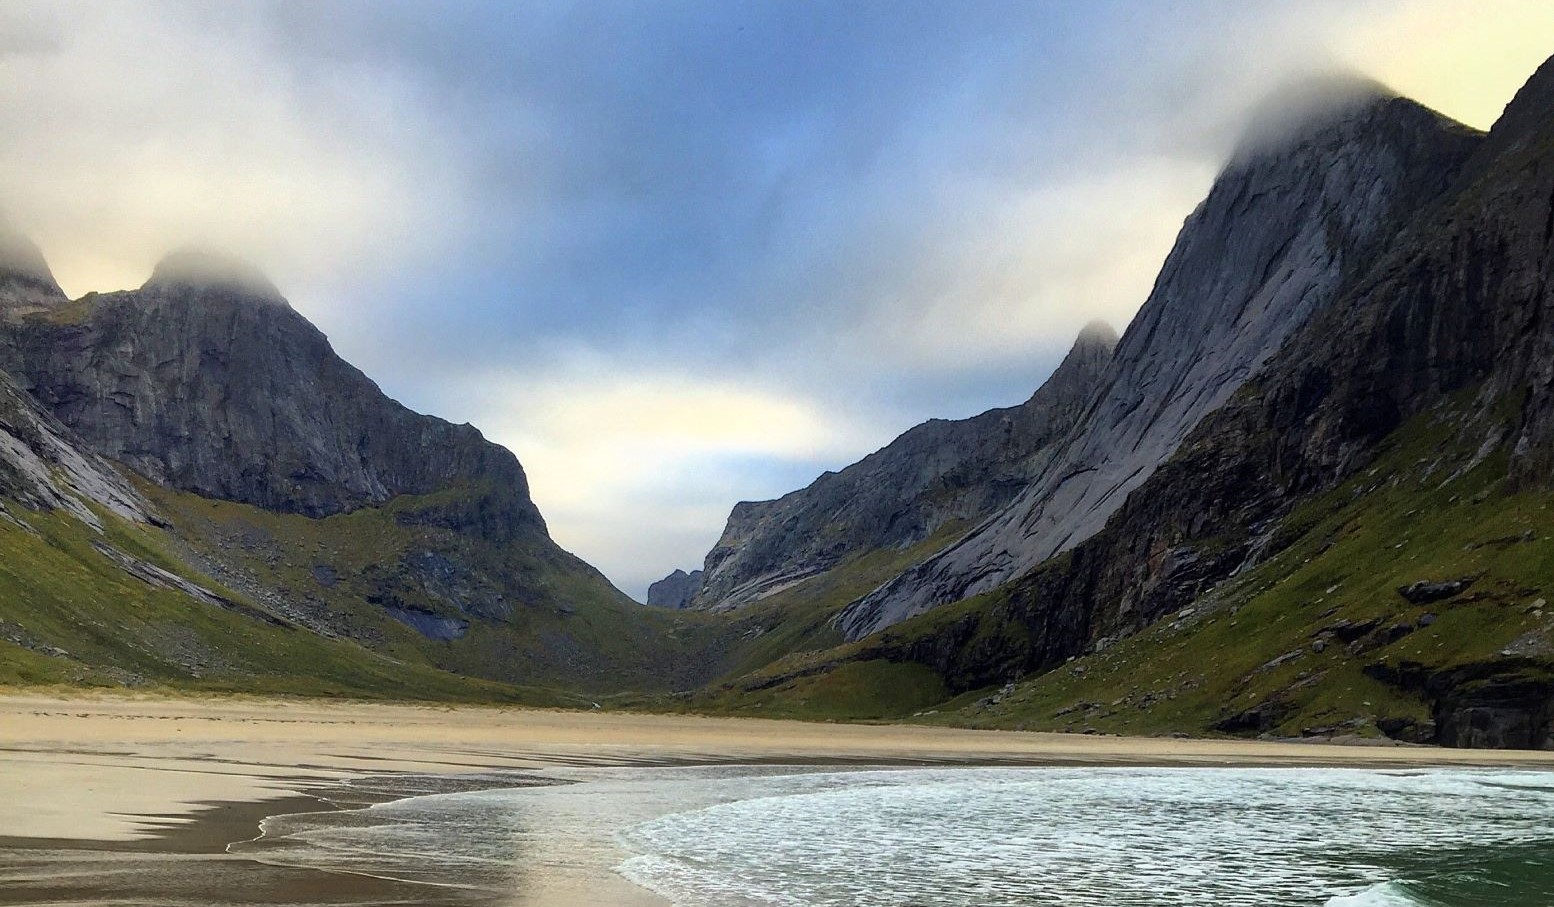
(680, 254)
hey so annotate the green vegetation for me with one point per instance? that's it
(528, 612)
(853, 690)
(800, 619)
(73, 615)
(781, 660)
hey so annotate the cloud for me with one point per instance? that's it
(638, 467)
(132, 129)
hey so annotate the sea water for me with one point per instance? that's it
(969, 837)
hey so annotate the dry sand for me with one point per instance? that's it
(115, 768)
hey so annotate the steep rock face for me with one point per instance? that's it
(206, 380)
(935, 473)
(674, 590)
(43, 466)
(1461, 303)
(1285, 229)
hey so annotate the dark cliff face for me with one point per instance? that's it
(1455, 316)
(207, 381)
(1286, 229)
(933, 474)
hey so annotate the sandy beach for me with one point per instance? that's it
(89, 783)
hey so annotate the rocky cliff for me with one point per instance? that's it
(1288, 226)
(207, 381)
(937, 473)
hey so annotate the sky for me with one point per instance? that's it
(680, 254)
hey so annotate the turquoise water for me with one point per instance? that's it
(973, 837)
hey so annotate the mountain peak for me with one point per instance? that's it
(197, 268)
(1097, 333)
(25, 278)
(1526, 116)
(1300, 107)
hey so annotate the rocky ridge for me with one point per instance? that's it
(276, 481)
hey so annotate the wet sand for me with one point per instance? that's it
(125, 799)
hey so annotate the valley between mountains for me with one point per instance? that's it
(1304, 493)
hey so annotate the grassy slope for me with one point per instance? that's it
(559, 624)
(566, 637)
(68, 614)
(791, 629)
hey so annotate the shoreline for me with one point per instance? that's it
(91, 784)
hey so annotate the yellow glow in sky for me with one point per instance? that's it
(1465, 58)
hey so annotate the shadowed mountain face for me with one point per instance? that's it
(936, 474)
(1284, 231)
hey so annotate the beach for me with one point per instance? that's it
(108, 798)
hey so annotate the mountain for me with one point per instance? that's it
(674, 590)
(1286, 228)
(1308, 493)
(941, 474)
(1360, 540)
(206, 418)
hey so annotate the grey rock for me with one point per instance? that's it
(935, 473)
(432, 626)
(1284, 230)
(44, 466)
(1424, 591)
(675, 590)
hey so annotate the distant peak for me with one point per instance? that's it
(25, 278)
(1097, 333)
(1302, 106)
(1527, 114)
(205, 269)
